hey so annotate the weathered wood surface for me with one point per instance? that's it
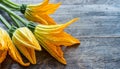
(99, 32)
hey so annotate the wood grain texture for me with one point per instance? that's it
(73, 2)
(99, 32)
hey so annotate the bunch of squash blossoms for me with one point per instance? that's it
(37, 31)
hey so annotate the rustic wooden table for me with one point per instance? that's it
(99, 32)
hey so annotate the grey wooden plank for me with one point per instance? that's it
(93, 9)
(95, 53)
(73, 2)
(95, 27)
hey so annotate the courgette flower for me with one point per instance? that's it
(7, 45)
(40, 13)
(51, 37)
(25, 41)
(3, 45)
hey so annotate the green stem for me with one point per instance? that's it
(5, 22)
(15, 20)
(13, 14)
(11, 4)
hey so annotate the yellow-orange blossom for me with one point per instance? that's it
(51, 37)
(25, 41)
(40, 12)
(7, 45)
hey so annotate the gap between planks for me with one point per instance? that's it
(98, 36)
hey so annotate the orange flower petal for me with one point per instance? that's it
(45, 19)
(3, 55)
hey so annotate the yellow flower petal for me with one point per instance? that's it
(63, 26)
(44, 19)
(53, 50)
(44, 3)
(55, 34)
(29, 53)
(62, 39)
(25, 41)
(48, 9)
(3, 37)
(24, 37)
(13, 52)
